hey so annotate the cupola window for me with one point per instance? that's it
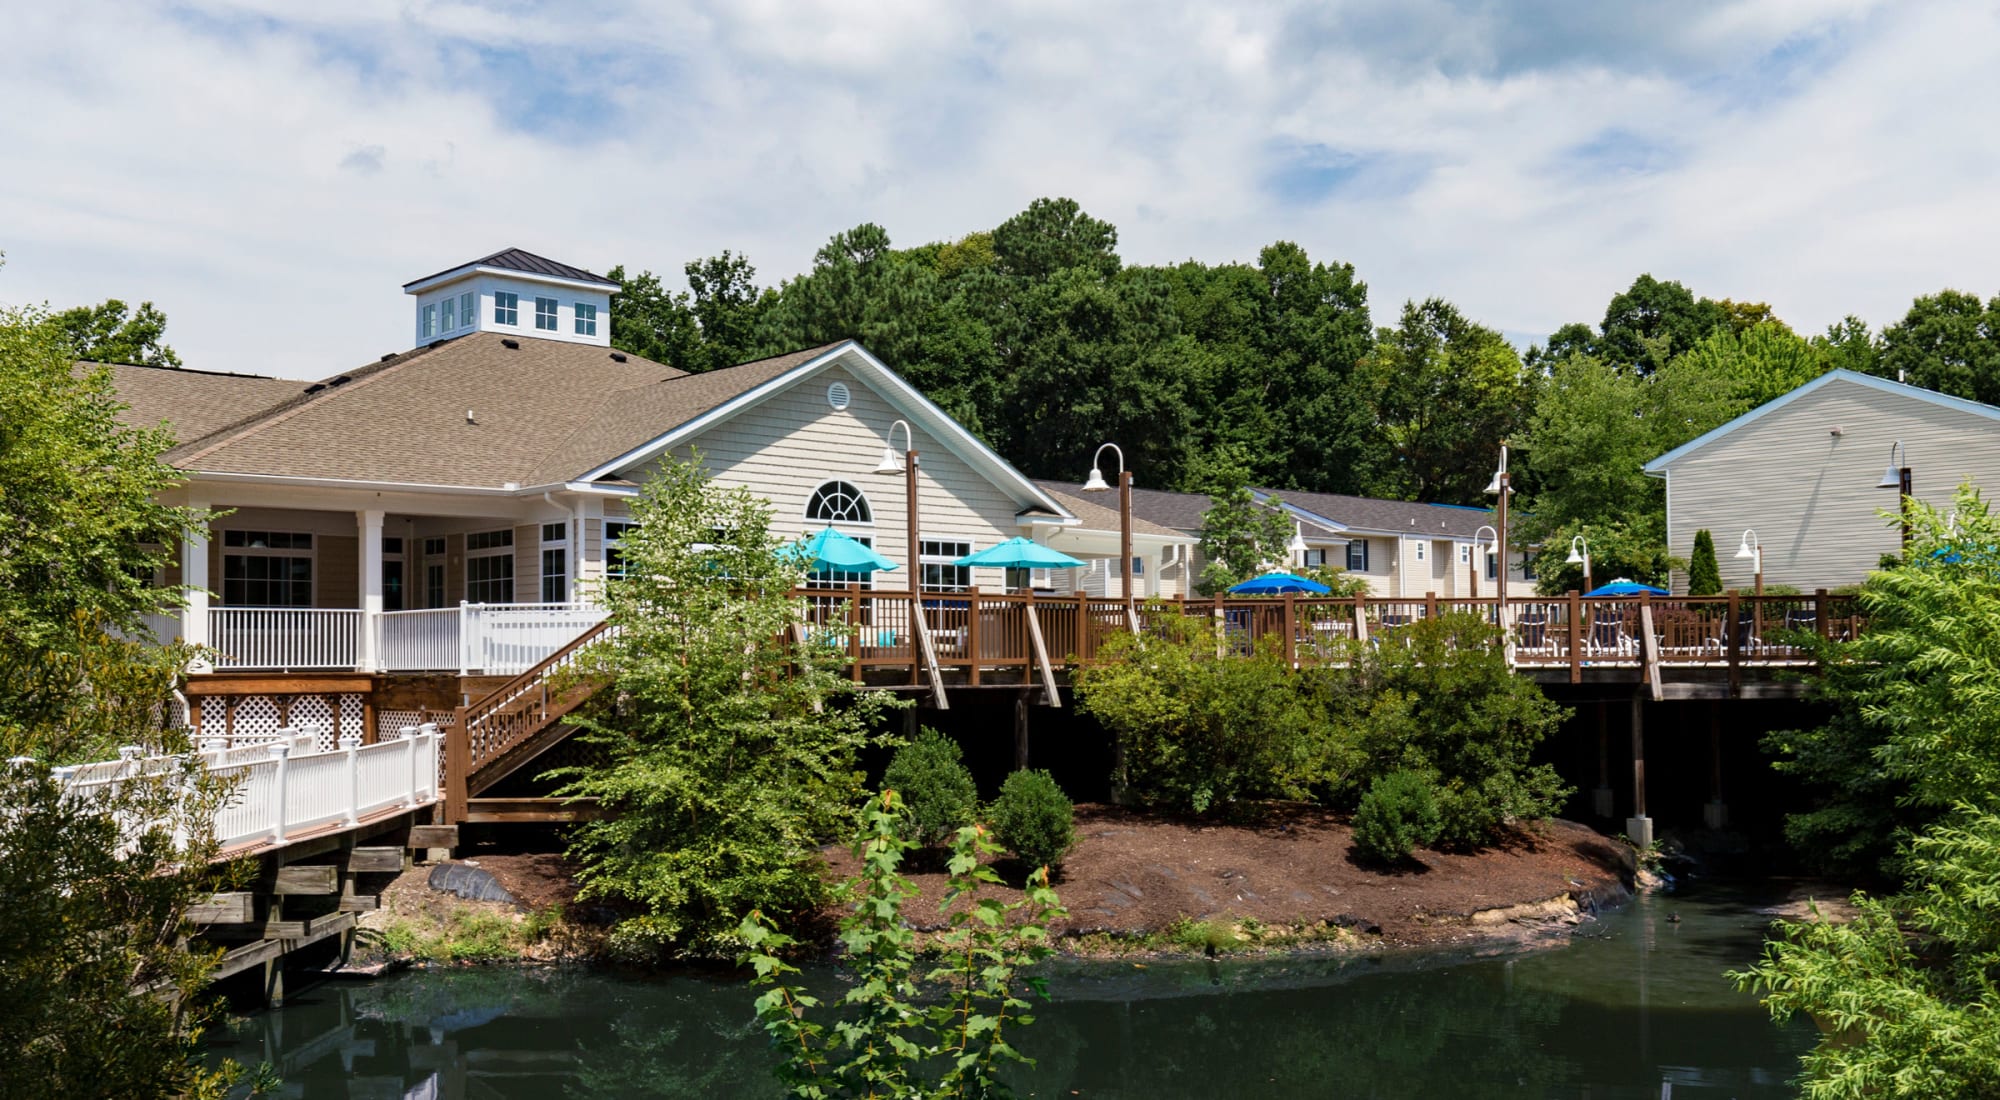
(506, 307)
(545, 314)
(586, 319)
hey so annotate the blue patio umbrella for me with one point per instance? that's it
(831, 551)
(1623, 587)
(1020, 553)
(1277, 584)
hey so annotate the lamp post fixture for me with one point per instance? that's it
(1752, 548)
(1478, 557)
(1499, 487)
(908, 464)
(1296, 545)
(1096, 484)
(1897, 477)
(1582, 558)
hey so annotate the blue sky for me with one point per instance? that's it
(269, 173)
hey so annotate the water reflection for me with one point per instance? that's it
(1634, 1008)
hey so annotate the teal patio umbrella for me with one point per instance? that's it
(830, 551)
(1020, 553)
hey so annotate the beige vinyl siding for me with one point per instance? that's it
(528, 563)
(337, 571)
(1810, 494)
(786, 446)
(454, 569)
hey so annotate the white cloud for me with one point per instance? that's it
(270, 174)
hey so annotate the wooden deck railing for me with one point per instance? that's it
(980, 634)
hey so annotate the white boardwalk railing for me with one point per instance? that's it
(280, 791)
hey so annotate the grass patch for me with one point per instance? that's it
(1212, 937)
(462, 935)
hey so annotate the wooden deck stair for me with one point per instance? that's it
(497, 735)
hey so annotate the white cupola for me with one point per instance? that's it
(518, 293)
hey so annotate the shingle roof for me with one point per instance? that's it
(631, 418)
(1097, 516)
(1371, 516)
(520, 259)
(191, 402)
(404, 419)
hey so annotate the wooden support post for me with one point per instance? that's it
(972, 636)
(1361, 616)
(1735, 647)
(1649, 649)
(1020, 730)
(1431, 606)
(1716, 814)
(1640, 826)
(1820, 619)
(457, 769)
(1601, 797)
(854, 630)
(1042, 654)
(1291, 631)
(1575, 637)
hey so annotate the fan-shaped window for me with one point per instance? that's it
(839, 502)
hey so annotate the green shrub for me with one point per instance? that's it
(1704, 573)
(936, 790)
(1397, 815)
(1034, 819)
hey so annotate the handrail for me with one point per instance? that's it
(467, 745)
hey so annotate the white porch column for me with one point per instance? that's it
(371, 588)
(194, 575)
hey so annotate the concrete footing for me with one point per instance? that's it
(1640, 831)
(1715, 814)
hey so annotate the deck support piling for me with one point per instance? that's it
(1715, 814)
(1639, 827)
(1020, 731)
(1601, 796)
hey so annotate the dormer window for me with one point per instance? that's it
(586, 319)
(506, 307)
(545, 314)
(466, 308)
(449, 315)
(428, 327)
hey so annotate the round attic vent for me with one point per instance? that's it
(837, 395)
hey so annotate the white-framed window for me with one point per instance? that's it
(555, 563)
(1492, 566)
(545, 314)
(1357, 556)
(433, 549)
(839, 502)
(506, 307)
(840, 578)
(427, 326)
(394, 570)
(489, 566)
(1528, 565)
(934, 560)
(614, 548)
(1138, 567)
(267, 569)
(1313, 559)
(1417, 549)
(467, 304)
(586, 319)
(1465, 553)
(448, 316)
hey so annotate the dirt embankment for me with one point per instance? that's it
(1135, 876)
(1134, 881)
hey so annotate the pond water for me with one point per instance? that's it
(1634, 1006)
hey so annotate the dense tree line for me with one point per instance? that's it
(1041, 339)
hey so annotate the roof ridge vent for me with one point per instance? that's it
(342, 380)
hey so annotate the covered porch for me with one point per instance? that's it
(291, 582)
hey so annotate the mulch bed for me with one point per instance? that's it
(1133, 873)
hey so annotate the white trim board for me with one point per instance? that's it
(902, 396)
(1658, 466)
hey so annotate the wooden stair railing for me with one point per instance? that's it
(512, 723)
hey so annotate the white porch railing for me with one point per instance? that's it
(285, 638)
(504, 639)
(419, 641)
(490, 639)
(280, 792)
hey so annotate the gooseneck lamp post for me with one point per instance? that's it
(1752, 549)
(908, 464)
(1897, 477)
(1579, 554)
(1500, 488)
(1096, 484)
(1479, 556)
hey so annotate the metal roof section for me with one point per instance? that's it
(513, 261)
